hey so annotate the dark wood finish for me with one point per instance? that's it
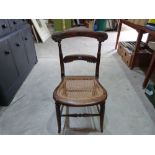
(61, 60)
(141, 30)
(61, 108)
(118, 33)
(152, 63)
(138, 28)
(88, 58)
(149, 71)
(139, 38)
(98, 109)
(80, 115)
(98, 60)
(151, 33)
(58, 114)
(134, 26)
(60, 94)
(102, 110)
(100, 36)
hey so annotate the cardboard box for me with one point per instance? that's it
(131, 20)
(127, 57)
(126, 51)
(91, 25)
(120, 50)
(141, 22)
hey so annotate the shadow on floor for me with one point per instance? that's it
(137, 85)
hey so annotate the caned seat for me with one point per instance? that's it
(79, 91)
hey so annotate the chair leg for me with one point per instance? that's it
(67, 118)
(58, 114)
(102, 109)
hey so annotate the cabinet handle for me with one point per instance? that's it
(17, 44)
(4, 26)
(6, 52)
(25, 38)
(14, 22)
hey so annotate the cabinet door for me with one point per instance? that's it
(4, 27)
(19, 52)
(8, 70)
(22, 21)
(29, 46)
(13, 23)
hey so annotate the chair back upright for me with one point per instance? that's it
(59, 36)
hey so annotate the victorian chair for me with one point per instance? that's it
(79, 91)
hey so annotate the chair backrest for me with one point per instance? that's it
(59, 36)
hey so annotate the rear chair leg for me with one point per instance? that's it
(58, 114)
(67, 118)
(102, 109)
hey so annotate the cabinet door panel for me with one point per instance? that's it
(4, 27)
(22, 21)
(8, 70)
(19, 52)
(29, 46)
(13, 23)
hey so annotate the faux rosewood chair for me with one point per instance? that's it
(79, 91)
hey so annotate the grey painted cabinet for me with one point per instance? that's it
(19, 52)
(4, 27)
(29, 45)
(17, 57)
(7, 66)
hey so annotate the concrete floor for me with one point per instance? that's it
(128, 111)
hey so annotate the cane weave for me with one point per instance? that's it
(80, 90)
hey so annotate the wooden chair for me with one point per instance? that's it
(79, 91)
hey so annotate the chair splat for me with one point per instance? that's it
(88, 58)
